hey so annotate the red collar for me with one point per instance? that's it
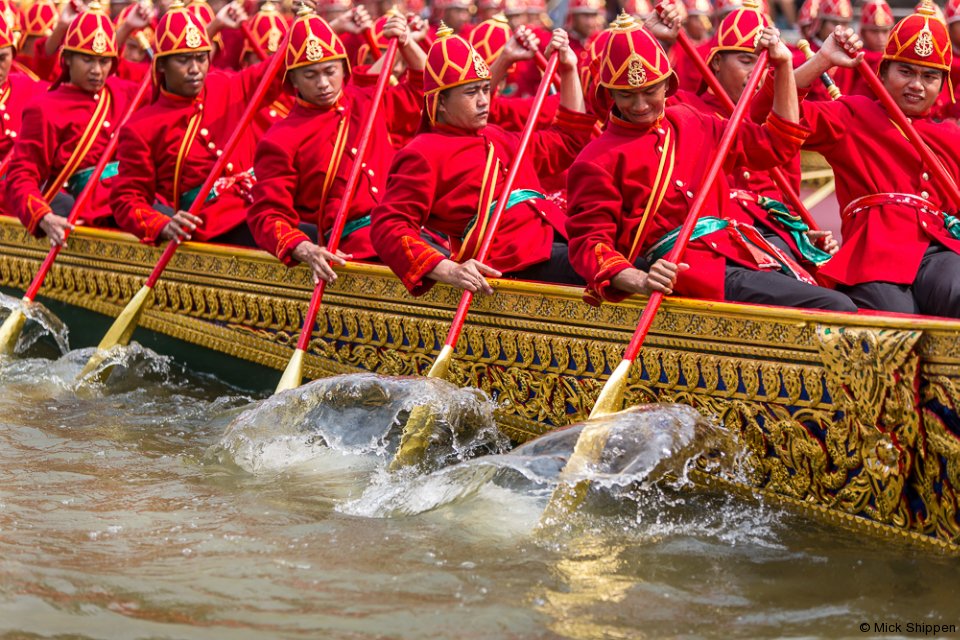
(455, 131)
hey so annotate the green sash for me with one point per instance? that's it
(79, 180)
(705, 226)
(187, 199)
(351, 226)
(797, 229)
(516, 197)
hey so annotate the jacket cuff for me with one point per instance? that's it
(37, 208)
(611, 262)
(288, 239)
(422, 260)
(149, 223)
(792, 132)
(570, 119)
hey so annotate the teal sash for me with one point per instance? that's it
(187, 199)
(704, 227)
(79, 180)
(952, 225)
(516, 197)
(351, 226)
(797, 229)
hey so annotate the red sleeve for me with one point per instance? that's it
(593, 225)
(401, 102)
(554, 149)
(30, 168)
(772, 144)
(250, 79)
(272, 218)
(397, 220)
(827, 121)
(133, 189)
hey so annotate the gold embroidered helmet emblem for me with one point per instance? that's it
(636, 74)
(924, 45)
(756, 38)
(273, 40)
(99, 42)
(194, 39)
(481, 68)
(314, 50)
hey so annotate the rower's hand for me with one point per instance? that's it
(560, 41)
(521, 46)
(141, 17)
(665, 21)
(359, 20)
(230, 16)
(396, 27)
(320, 259)
(71, 10)
(662, 277)
(777, 51)
(418, 27)
(180, 227)
(468, 275)
(824, 240)
(56, 228)
(842, 48)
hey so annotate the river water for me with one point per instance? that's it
(163, 503)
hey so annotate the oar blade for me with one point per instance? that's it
(121, 331)
(441, 366)
(611, 395)
(10, 331)
(419, 426)
(293, 374)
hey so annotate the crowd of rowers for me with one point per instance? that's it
(622, 146)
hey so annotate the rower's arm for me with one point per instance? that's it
(272, 219)
(133, 189)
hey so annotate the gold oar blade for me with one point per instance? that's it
(565, 499)
(611, 395)
(121, 331)
(420, 424)
(10, 331)
(293, 374)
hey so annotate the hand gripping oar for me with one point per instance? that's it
(906, 126)
(293, 374)
(593, 438)
(10, 330)
(122, 329)
(416, 432)
(541, 61)
(825, 78)
(778, 178)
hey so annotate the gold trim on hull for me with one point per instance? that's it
(851, 418)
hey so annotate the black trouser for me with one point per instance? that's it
(556, 269)
(935, 290)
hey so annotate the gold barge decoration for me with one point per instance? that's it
(850, 417)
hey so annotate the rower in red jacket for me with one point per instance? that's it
(901, 238)
(876, 22)
(631, 188)
(302, 164)
(39, 21)
(65, 130)
(449, 176)
(16, 91)
(168, 149)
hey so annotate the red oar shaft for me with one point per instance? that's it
(252, 107)
(252, 40)
(87, 191)
(733, 125)
(340, 220)
(779, 178)
(460, 316)
(903, 122)
(542, 63)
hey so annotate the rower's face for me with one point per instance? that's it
(642, 106)
(914, 88)
(133, 52)
(185, 73)
(465, 107)
(320, 83)
(456, 17)
(955, 33)
(698, 27)
(827, 26)
(88, 72)
(732, 69)
(874, 38)
(6, 61)
(586, 24)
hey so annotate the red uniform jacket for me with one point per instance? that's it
(18, 91)
(295, 157)
(849, 80)
(436, 180)
(610, 184)
(869, 155)
(153, 139)
(53, 124)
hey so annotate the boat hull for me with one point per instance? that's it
(852, 418)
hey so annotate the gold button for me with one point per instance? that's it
(924, 195)
(370, 171)
(746, 175)
(679, 183)
(219, 152)
(353, 151)
(689, 194)
(925, 175)
(273, 113)
(106, 125)
(6, 116)
(204, 133)
(659, 149)
(373, 189)
(230, 166)
(3, 107)
(211, 146)
(13, 134)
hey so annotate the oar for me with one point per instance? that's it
(593, 438)
(825, 78)
(10, 330)
(293, 374)
(541, 61)
(906, 126)
(416, 431)
(776, 173)
(122, 329)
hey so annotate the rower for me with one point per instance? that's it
(876, 21)
(631, 188)
(65, 130)
(901, 236)
(16, 90)
(302, 164)
(585, 19)
(448, 179)
(168, 148)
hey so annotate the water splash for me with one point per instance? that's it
(41, 322)
(356, 415)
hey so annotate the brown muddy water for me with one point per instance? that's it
(164, 503)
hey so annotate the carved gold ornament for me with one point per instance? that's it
(99, 42)
(636, 74)
(479, 66)
(194, 39)
(314, 50)
(273, 40)
(924, 44)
